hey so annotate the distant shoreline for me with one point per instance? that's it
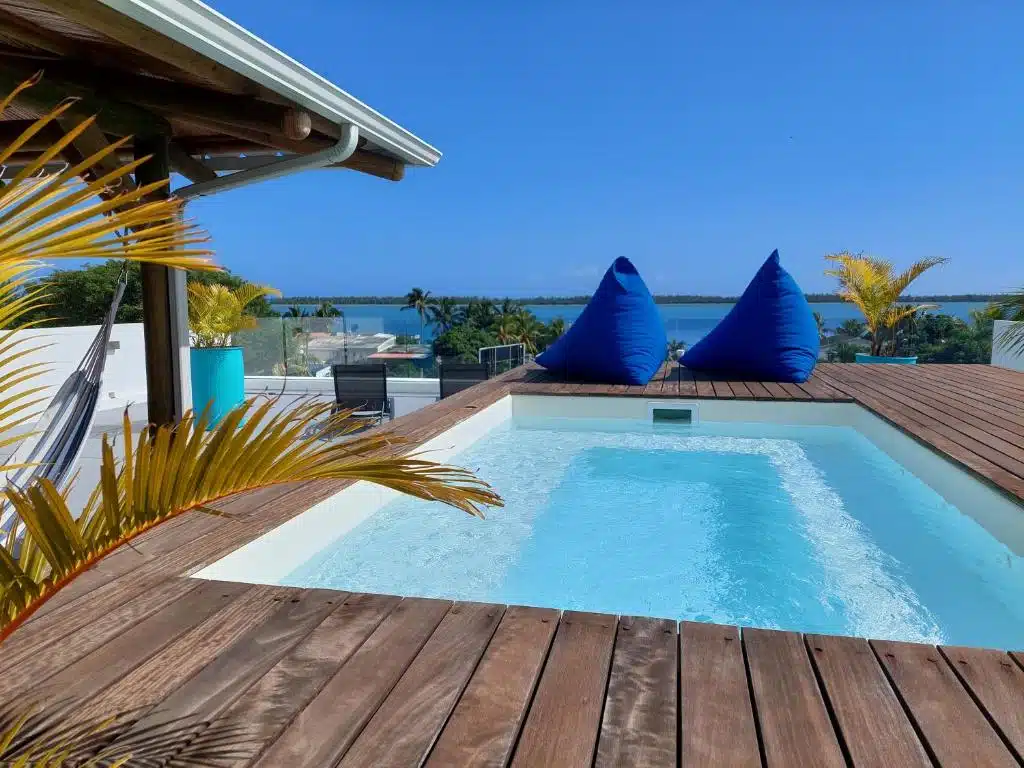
(813, 298)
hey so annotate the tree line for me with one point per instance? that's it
(680, 298)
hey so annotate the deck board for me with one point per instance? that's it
(795, 724)
(565, 717)
(362, 679)
(875, 728)
(639, 724)
(954, 728)
(717, 716)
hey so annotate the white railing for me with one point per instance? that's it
(1001, 353)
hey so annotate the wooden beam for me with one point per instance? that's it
(117, 26)
(161, 376)
(90, 141)
(35, 35)
(189, 167)
(112, 116)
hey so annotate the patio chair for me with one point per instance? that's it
(456, 377)
(364, 387)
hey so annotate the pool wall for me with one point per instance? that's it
(274, 555)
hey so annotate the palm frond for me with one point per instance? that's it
(216, 312)
(176, 469)
(37, 736)
(1011, 338)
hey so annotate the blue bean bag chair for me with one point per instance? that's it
(618, 339)
(770, 335)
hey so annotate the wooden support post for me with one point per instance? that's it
(162, 383)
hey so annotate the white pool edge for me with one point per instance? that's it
(271, 557)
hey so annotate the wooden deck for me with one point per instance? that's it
(331, 678)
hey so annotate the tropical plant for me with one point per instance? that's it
(675, 350)
(59, 735)
(445, 313)
(851, 327)
(507, 329)
(167, 470)
(480, 312)
(1012, 308)
(819, 320)
(296, 312)
(176, 468)
(216, 312)
(508, 308)
(419, 300)
(872, 285)
(326, 309)
(529, 330)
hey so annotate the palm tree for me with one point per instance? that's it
(529, 330)
(819, 320)
(872, 285)
(507, 329)
(508, 307)
(675, 350)
(296, 312)
(326, 309)
(1012, 308)
(419, 300)
(851, 327)
(480, 312)
(444, 314)
(556, 328)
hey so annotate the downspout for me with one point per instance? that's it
(341, 151)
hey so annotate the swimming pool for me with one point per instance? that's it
(798, 526)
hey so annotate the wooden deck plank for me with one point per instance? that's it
(159, 675)
(121, 654)
(323, 731)
(410, 719)
(951, 724)
(976, 417)
(28, 658)
(563, 723)
(922, 430)
(271, 703)
(966, 398)
(722, 390)
(687, 384)
(875, 728)
(795, 725)
(210, 692)
(997, 684)
(776, 390)
(758, 390)
(740, 390)
(483, 727)
(953, 426)
(639, 723)
(717, 716)
(794, 391)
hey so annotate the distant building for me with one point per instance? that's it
(328, 348)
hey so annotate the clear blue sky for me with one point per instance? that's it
(693, 140)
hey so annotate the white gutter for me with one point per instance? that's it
(338, 153)
(213, 35)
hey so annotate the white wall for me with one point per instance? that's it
(124, 380)
(1002, 356)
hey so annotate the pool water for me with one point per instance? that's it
(809, 528)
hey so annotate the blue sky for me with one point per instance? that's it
(692, 139)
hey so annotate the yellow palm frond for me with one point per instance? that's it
(870, 284)
(56, 216)
(59, 734)
(185, 467)
(215, 312)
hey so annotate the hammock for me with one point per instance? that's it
(59, 437)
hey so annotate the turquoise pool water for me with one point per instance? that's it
(807, 528)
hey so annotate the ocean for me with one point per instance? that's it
(684, 322)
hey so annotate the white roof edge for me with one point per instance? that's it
(215, 36)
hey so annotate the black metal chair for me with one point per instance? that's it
(456, 377)
(364, 387)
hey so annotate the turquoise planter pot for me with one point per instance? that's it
(863, 357)
(218, 378)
